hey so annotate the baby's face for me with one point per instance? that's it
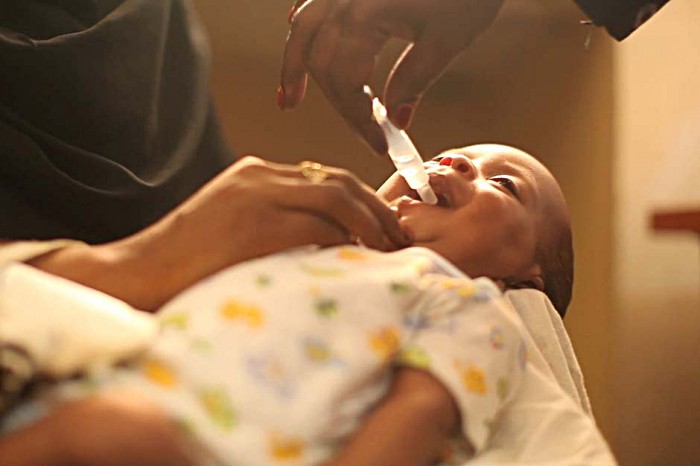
(496, 204)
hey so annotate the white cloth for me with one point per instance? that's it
(21, 251)
(64, 327)
(546, 425)
(549, 345)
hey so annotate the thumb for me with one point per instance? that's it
(420, 65)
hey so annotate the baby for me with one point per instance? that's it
(280, 359)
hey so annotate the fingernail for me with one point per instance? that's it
(403, 116)
(446, 161)
(291, 14)
(280, 98)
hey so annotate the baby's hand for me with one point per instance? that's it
(410, 427)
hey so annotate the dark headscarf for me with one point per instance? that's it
(106, 122)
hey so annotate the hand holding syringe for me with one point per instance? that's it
(405, 156)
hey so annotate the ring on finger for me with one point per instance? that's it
(313, 171)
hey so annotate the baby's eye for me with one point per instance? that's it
(507, 183)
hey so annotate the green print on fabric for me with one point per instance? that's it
(218, 406)
(401, 287)
(326, 307)
(263, 281)
(186, 426)
(178, 321)
(201, 345)
(415, 356)
(321, 272)
(502, 388)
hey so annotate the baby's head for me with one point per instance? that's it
(501, 214)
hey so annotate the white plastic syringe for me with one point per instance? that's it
(405, 156)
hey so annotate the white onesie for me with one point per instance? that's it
(276, 360)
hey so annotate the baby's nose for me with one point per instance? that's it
(460, 164)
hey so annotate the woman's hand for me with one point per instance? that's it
(252, 209)
(111, 429)
(337, 42)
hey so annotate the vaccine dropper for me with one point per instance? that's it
(404, 154)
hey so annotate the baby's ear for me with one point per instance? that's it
(536, 283)
(531, 284)
(532, 280)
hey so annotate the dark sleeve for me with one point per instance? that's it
(620, 17)
(106, 122)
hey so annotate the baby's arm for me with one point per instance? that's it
(409, 427)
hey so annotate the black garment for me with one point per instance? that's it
(620, 17)
(106, 122)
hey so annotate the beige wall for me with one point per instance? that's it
(601, 120)
(657, 338)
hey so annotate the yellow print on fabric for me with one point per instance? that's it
(238, 311)
(385, 342)
(159, 373)
(352, 255)
(285, 448)
(473, 378)
(463, 288)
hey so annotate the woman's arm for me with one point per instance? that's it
(410, 427)
(235, 217)
(105, 430)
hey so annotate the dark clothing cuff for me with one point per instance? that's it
(620, 17)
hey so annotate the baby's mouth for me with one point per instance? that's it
(442, 197)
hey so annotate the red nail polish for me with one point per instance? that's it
(280, 98)
(447, 161)
(403, 116)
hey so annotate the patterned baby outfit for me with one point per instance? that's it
(275, 361)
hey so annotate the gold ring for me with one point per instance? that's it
(313, 171)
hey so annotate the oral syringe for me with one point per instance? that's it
(405, 156)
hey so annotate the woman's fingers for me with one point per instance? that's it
(358, 209)
(341, 61)
(381, 212)
(336, 41)
(343, 74)
(421, 64)
(305, 23)
(294, 9)
(332, 203)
